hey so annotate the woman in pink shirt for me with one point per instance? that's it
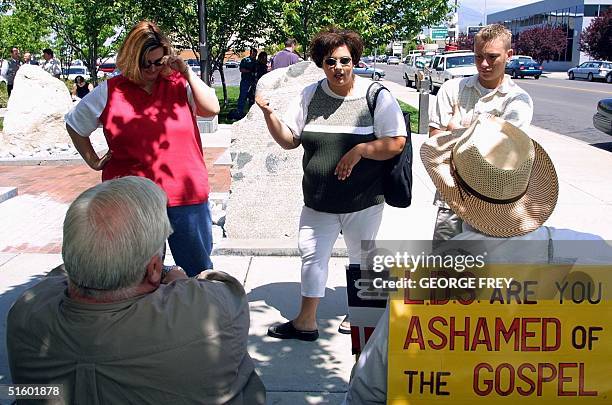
(148, 114)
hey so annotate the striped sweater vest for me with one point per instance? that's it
(333, 127)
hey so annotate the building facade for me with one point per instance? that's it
(573, 16)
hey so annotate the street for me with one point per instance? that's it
(560, 105)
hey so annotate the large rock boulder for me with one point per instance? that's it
(34, 118)
(266, 191)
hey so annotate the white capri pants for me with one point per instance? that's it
(317, 235)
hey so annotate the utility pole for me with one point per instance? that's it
(204, 68)
(485, 13)
(456, 22)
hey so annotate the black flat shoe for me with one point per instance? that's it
(287, 331)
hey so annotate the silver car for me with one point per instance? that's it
(414, 66)
(592, 70)
(365, 70)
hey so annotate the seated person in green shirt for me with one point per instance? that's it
(117, 327)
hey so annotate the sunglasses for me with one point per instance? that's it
(147, 64)
(344, 61)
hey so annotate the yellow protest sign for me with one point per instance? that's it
(529, 340)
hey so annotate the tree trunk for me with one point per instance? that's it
(93, 70)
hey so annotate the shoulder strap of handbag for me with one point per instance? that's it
(372, 96)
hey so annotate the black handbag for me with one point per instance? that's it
(397, 184)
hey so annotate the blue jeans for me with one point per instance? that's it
(245, 86)
(191, 241)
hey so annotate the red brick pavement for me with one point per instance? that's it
(64, 183)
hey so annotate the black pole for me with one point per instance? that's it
(203, 42)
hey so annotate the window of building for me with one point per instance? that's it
(591, 10)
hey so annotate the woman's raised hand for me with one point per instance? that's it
(263, 103)
(176, 63)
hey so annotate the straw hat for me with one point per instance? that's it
(493, 176)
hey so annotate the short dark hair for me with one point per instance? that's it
(14, 48)
(290, 42)
(48, 51)
(324, 43)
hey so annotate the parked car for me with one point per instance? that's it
(592, 70)
(602, 119)
(393, 60)
(381, 58)
(365, 70)
(521, 57)
(232, 64)
(107, 67)
(73, 71)
(107, 70)
(414, 68)
(450, 65)
(524, 67)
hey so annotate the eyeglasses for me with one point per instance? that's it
(344, 61)
(147, 64)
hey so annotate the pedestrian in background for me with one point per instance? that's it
(10, 68)
(287, 56)
(345, 147)
(262, 65)
(261, 68)
(51, 65)
(81, 87)
(148, 113)
(248, 77)
(27, 59)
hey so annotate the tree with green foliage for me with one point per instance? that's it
(596, 39)
(20, 29)
(87, 27)
(302, 19)
(377, 21)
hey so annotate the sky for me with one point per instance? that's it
(472, 11)
(494, 5)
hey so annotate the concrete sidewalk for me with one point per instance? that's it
(298, 372)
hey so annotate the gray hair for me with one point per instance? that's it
(111, 232)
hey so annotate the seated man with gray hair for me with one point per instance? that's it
(116, 327)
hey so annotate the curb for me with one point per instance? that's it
(44, 161)
(6, 193)
(267, 247)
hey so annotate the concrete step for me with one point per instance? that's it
(219, 139)
(208, 125)
(225, 159)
